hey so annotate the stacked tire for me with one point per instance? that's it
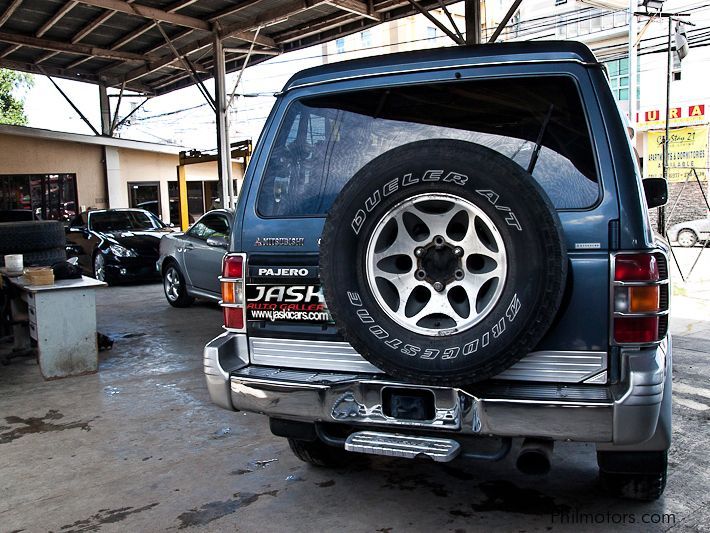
(41, 243)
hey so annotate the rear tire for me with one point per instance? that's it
(319, 454)
(432, 275)
(687, 238)
(174, 287)
(634, 475)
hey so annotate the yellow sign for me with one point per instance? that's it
(688, 148)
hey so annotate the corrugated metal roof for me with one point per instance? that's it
(117, 42)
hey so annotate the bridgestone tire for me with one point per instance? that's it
(22, 237)
(317, 453)
(511, 212)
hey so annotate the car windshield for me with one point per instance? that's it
(123, 220)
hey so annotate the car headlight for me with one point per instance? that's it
(122, 251)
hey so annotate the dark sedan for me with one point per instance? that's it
(116, 244)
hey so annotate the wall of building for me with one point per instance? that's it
(26, 155)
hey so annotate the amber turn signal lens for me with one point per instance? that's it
(644, 299)
(228, 292)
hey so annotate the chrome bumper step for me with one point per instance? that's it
(405, 446)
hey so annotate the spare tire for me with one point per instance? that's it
(443, 262)
(21, 237)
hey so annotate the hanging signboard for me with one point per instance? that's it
(688, 148)
(688, 115)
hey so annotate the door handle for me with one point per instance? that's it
(188, 247)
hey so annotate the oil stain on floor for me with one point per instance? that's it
(40, 424)
(104, 516)
(214, 510)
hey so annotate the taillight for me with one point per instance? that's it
(232, 281)
(640, 298)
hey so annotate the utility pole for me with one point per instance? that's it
(661, 224)
(633, 63)
(666, 140)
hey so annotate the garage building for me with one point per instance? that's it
(54, 174)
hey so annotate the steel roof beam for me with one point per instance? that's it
(241, 6)
(46, 26)
(501, 26)
(356, 8)
(66, 8)
(59, 46)
(52, 71)
(146, 27)
(160, 63)
(9, 11)
(151, 13)
(436, 22)
(312, 28)
(80, 35)
(283, 12)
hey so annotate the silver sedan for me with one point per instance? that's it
(190, 263)
(689, 233)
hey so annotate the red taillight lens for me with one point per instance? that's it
(636, 329)
(234, 317)
(233, 292)
(640, 294)
(233, 266)
(636, 267)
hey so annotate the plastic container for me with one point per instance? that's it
(13, 262)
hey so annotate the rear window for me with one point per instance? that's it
(323, 141)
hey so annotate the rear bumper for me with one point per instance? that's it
(622, 414)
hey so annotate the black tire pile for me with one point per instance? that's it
(42, 242)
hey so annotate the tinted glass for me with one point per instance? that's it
(323, 141)
(123, 221)
(209, 226)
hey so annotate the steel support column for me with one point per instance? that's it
(473, 21)
(224, 162)
(182, 194)
(105, 108)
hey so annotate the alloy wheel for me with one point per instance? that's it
(436, 262)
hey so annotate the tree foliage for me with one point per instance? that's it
(12, 101)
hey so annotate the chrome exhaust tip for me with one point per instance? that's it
(535, 457)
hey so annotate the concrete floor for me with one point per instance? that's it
(139, 447)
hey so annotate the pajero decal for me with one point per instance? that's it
(295, 303)
(283, 272)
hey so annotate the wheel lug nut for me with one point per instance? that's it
(458, 274)
(419, 252)
(458, 251)
(420, 274)
(439, 241)
(438, 286)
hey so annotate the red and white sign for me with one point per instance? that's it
(688, 115)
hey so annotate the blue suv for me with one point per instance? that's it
(437, 249)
